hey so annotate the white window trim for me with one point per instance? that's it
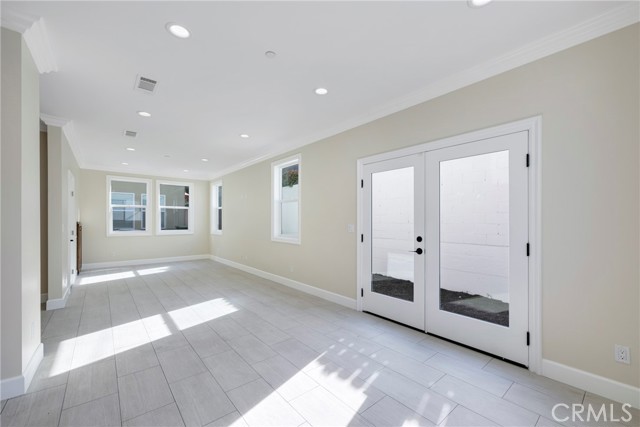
(275, 195)
(159, 208)
(214, 207)
(148, 208)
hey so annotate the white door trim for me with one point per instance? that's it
(72, 247)
(533, 125)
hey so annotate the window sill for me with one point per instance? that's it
(289, 240)
(128, 233)
(173, 232)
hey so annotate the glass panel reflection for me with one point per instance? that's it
(474, 237)
(392, 233)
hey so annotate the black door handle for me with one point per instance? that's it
(418, 251)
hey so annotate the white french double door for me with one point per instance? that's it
(445, 243)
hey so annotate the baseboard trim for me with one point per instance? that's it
(32, 366)
(56, 303)
(303, 287)
(16, 386)
(43, 298)
(593, 383)
(130, 262)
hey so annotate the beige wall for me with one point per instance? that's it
(60, 161)
(98, 248)
(20, 237)
(588, 97)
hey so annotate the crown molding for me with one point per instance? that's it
(16, 21)
(65, 124)
(598, 26)
(50, 120)
(34, 31)
(38, 42)
(67, 128)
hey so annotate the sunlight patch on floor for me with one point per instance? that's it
(91, 280)
(95, 346)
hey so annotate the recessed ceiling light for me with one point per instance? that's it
(178, 30)
(185, 170)
(125, 163)
(270, 54)
(478, 3)
(321, 91)
(244, 135)
(205, 160)
(144, 114)
(131, 149)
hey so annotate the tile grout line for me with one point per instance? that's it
(156, 355)
(113, 343)
(75, 343)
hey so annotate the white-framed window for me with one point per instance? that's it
(286, 184)
(216, 207)
(128, 206)
(175, 207)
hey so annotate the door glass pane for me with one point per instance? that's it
(392, 233)
(474, 237)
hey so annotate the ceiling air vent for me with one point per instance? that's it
(130, 133)
(145, 84)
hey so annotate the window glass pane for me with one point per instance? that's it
(219, 219)
(174, 219)
(174, 195)
(289, 176)
(128, 193)
(289, 217)
(129, 219)
(289, 190)
(220, 196)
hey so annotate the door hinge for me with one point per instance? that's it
(361, 238)
(361, 292)
(528, 249)
(362, 183)
(527, 159)
(528, 338)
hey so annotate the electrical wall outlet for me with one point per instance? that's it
(622, 354)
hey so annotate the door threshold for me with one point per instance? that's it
(511, 362)
(394, 321)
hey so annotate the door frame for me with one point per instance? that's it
(72, 262)
(533, 126)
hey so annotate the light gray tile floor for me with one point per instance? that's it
(201, 344)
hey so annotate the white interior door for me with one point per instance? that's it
(71, 227)
(476, 245)
(393, 279)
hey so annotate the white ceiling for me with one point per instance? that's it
(374, 57)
